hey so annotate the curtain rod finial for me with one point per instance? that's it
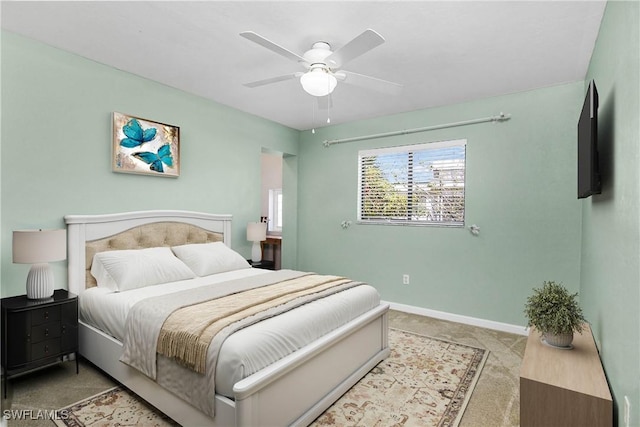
(501, 117)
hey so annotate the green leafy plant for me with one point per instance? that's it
(553, 310)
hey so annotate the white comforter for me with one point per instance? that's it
(243, 353)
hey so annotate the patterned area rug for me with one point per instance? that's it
(424, 382)
(114, 407)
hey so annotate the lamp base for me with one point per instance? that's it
(256, 252)
(40, 281)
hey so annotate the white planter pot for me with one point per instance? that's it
(560, 340)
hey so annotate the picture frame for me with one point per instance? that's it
(145, 147)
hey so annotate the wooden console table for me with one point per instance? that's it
(276, 243)
(564, 387)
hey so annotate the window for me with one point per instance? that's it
(413, 184)
(275, 209)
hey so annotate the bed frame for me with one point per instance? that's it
(293, 391)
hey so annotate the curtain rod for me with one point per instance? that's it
(499, 118)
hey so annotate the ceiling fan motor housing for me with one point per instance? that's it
(317, 54)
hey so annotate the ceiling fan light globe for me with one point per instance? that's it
(318, 82)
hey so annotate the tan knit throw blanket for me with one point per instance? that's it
(186, 334)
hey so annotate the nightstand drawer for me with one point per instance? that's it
(45, 314)
(46, 331)
(45, 349)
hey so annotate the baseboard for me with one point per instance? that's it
(467, 320)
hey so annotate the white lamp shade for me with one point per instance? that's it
(256, 231)
(39, 246)
(318, 82)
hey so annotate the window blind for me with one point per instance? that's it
(413, 184)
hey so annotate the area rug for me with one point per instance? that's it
(114, 407)
(424, 382)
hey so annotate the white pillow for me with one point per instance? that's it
(137, 268)
(210, 258)
(103, 279)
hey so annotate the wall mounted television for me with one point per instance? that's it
(588, 162)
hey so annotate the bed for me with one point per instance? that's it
(290, 386)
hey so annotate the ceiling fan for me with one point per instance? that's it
(324, 66)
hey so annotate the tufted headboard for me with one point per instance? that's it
(89, 234)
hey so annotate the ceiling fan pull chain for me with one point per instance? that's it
(313, 110)
(328, 105)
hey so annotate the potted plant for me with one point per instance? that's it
(555, 313)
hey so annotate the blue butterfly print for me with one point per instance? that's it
(156, 160)
(136, 136)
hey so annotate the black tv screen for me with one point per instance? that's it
(588, 166)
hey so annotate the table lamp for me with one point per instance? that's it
(256, 233)
(39, 248)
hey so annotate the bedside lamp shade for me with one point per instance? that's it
(256, 233)
(39, 247)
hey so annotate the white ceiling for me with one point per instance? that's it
(443, 52)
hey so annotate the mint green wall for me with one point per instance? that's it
(610, 273)
(56, 147)
(289, 254)
(520, 191)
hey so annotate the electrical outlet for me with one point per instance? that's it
(627, 412)
(405, 279)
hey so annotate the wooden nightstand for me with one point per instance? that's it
(38, 333)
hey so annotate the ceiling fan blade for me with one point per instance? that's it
(356, 47)
(272, 80)
(256, 38)
(369, 82)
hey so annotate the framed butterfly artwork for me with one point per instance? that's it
(145, 147)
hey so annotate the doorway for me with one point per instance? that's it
(271, 206)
